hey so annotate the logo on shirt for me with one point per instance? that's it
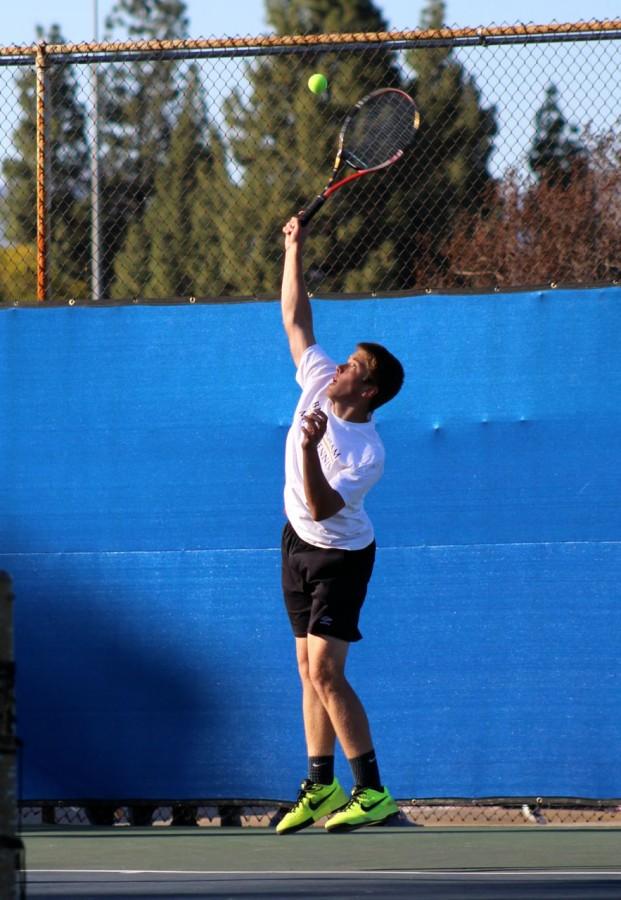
(316, 405)
(328, 452)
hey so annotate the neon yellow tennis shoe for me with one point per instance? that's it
(366, 807)
(314, 801)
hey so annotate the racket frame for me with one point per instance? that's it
(341, 159)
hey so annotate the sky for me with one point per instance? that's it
(214, 18)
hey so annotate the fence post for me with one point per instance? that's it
(11, 847)
(43, 103)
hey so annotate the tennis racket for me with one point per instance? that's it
(375, 135)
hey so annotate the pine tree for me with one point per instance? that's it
(168, 218)
(448, 170)
(174, 248)
(67, 150)
(131, 263)
(556, 154)
(212, 273)
(284, 142)
(139, 105)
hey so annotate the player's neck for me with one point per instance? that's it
(350, 413)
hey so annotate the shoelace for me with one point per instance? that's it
(354, 797)
(307, 788)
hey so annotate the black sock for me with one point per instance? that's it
(366, 771)
(321, 769)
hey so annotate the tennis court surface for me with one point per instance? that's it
(565, 862)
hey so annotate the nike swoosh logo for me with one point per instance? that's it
(371, 805)
(316, 805)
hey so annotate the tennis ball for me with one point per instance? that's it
(317, 83)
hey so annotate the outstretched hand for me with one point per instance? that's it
(314, 426)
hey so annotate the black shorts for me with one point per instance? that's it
(324, 589)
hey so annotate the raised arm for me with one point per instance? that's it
(297, 315)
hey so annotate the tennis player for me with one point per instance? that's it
(333, 457)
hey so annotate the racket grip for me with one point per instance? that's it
(307, 214)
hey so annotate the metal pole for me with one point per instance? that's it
(95, 218)
(10, 846)
(42, 172)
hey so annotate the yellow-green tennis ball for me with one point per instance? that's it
(317, 83)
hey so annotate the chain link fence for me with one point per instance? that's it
(159, 170)
(499, 811)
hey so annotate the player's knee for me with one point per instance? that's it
(325, 677)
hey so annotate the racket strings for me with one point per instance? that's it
(383, 125)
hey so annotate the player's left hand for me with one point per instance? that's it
(314, 426)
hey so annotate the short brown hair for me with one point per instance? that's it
(385, 372)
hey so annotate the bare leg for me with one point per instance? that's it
(320, 736)
(326, 657)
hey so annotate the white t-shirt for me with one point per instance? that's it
(352, 459)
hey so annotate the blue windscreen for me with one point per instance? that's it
(141, 451)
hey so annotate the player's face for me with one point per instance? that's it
(351, 378)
